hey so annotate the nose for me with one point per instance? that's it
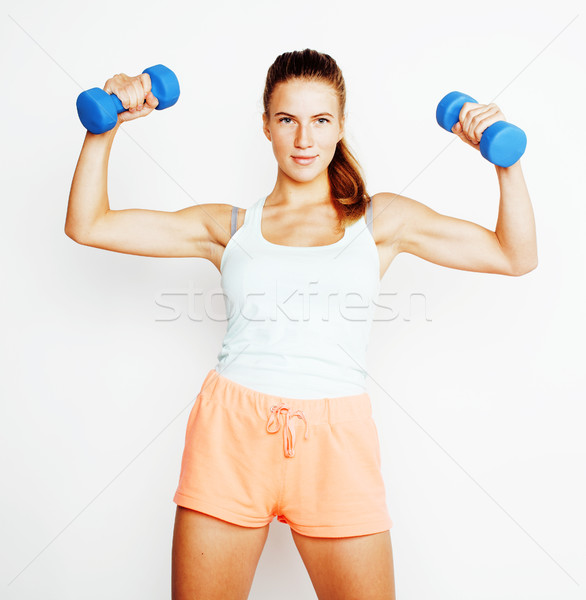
(303, 139)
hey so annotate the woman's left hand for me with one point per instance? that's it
(474, 119)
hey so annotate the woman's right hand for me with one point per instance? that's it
(134, 93)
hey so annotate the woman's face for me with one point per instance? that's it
(304, 122)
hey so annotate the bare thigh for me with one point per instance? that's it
(352, 568)
(213, 559)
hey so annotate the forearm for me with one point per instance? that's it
(515, 228)
(88, 197)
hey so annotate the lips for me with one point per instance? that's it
(304, 160)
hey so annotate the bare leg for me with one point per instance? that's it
(213, 559)
(353, 568)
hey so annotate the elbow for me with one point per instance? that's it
(524, 269)
(75, 234)
(70, 232)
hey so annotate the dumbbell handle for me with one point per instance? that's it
(98, 110)
(118, 103)
(163, 103)
(502, 143)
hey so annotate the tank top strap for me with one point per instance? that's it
(369, 216)
(233, 220)
(256, 216)
(250, 218)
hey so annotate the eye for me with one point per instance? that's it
(284, 119)
(324, 119)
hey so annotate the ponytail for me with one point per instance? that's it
(347, 185)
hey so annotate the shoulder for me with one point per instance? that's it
(218, 221)
(400, 220)
(390, 213)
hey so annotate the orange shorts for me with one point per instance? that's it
(314, 464)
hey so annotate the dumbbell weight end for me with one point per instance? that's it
(97, 110)
(502, 143)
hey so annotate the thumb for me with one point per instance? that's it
(151, 100)
(457, 128)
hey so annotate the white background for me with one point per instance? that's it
(479, 401)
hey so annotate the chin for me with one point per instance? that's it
(304, 177)
(303, 173)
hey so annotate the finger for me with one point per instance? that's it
(152, 101)
(483, 122)
(471, 120)
(133, 96)
(465, 123)
(118, 90)
(138, 90)
(457, 129)
(499, 111)
(109, 86)
(479, 119)
(466, 139)
(123, 97)
(146, 83)
(465, 111)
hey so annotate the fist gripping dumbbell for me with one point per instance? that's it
(98, 110)
(502, 143)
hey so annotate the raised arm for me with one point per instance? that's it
(191, 231)
(511, 249)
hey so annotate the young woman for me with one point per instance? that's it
(282, 426)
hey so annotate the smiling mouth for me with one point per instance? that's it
(304, 160)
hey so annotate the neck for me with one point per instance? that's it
(290, 191)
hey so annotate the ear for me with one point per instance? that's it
(265, 127)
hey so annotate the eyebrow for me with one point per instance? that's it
(314, 116)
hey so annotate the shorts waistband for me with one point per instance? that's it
(238, 397)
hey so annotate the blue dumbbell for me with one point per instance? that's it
(98, 110)
(502, 143)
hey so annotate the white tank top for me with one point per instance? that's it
(299, 318)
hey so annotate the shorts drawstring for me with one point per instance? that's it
(288, 429)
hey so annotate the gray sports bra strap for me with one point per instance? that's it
(233, 222)
(369, 216)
